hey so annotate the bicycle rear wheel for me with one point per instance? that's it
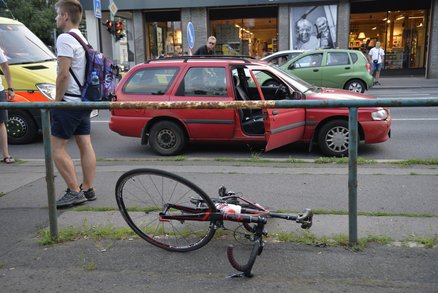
(141, 195)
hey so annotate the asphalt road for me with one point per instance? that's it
(413, 135)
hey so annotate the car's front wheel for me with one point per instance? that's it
(333, 138)
(356, 86)
(167, 138)
(21, 126)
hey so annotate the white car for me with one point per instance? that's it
(281, 57)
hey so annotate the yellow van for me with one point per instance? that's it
(33, 71)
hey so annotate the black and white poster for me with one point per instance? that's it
(313, 27)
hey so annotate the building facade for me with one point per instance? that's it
(407, 30)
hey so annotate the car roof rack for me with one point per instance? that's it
(245, 58)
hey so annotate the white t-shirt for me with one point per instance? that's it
(3, 59)
(68, 46)
(376, 54)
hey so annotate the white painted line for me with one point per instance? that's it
(415, 119)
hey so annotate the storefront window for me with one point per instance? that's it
(402, 35)
(245, 31)
(164, 34)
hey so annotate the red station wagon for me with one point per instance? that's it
(234, 79)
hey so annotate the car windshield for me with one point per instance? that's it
(20, 45)
(296, 82)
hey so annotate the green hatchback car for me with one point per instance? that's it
(332, 68)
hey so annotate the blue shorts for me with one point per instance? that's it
(67, 122)
(3, 112)
(376, 67)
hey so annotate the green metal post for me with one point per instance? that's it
(53, 219)
(352, 175)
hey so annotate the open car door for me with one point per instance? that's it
(282, 125)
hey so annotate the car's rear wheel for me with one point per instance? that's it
(356, 86)
(21, 126)
(333, 138)
(167, 138)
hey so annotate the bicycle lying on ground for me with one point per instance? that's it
(173, 213)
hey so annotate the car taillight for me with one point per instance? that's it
(368, 67)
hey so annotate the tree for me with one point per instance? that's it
(37, 15)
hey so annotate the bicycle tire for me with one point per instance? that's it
(140, 195)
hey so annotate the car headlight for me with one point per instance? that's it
(379, 115)
(48, 90)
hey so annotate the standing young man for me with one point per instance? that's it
(4, 113)
(67, 123)
(375, 56)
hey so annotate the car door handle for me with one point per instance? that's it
(275, 112)
(347, 67)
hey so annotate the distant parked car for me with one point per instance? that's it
(215, 79)
(281, 57)
(333, 68)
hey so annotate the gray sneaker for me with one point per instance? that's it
(70, 198)
(90, 195)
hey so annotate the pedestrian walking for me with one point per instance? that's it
(67, 123)
(4, 113)
(376, 58)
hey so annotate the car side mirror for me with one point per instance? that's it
(297, 96)
(292, 66)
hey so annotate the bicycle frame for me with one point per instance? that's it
(257, 215)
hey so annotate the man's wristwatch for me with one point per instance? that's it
(10, 89)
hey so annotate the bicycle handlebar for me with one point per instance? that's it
(306, 219)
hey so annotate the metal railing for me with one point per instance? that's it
(352, 105)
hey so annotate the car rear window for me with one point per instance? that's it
(337, 58)
(354, 57)
(204, 81)
(150, 81)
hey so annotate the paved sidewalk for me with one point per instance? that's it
(94, 265)
(24, 186)
(405, 82)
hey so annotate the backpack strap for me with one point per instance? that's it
(85, 46)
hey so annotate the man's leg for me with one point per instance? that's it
(4, 140)
(64, 163)
(88, 160)
(377, 75)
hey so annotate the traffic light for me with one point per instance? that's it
(109, 26)
(119, 30)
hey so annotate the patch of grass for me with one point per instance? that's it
(344, 160)
(93, 209)
(2, 265)
(305, 237)
(85, 231)
(380, 239)
(342, 240)
(370, 214)
(426, 241)
(2, 194)
(173, 159)
(90, 266)
(410, 162)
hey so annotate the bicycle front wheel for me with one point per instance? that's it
(142, 194)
